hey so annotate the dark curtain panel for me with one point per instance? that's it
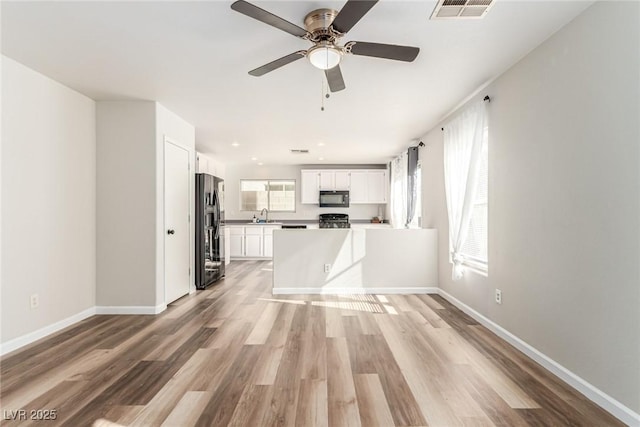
(412, 184)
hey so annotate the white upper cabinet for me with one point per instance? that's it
(202, 163)
(377, 181)
(206, 164)
(364, 185)
(334, 179)
(342, 180)
(327, 180)
(309, 187)
(359, 187)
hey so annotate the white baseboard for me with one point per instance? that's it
(608, 403)
(34, 336)
(141, 309)
(351, 291)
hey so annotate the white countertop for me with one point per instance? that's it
(254, 223)
(309, 226)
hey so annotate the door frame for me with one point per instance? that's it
(190, 157)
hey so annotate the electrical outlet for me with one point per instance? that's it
(498, 296)
(327, 268)
(34, 301)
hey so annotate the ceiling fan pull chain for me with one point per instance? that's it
(321, 94)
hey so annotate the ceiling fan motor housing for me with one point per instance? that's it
(318, 22)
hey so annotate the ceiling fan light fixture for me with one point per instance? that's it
(324, 56)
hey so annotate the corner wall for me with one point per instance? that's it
(130, 139)
(126, 208)
(48, 201)
(564, 201)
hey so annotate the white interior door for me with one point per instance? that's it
(176, 220)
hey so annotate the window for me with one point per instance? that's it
(277, 195)
(466, 187)
(474, 248)
(416, 222)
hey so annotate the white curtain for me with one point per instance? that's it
(399, 177)
(462, 147)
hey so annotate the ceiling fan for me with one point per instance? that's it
(324, 28)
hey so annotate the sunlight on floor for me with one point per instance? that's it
(360, 297)
(390, 309)
(382, 298)
(344, 305)
(361, 302)
(288, 301)
(105, 423)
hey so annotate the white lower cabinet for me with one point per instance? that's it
(236, 241)
(267, 240)
(252, 245)
(268, 246)
(227, 246)
(253, 241)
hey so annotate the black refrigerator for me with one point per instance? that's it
(209, 266)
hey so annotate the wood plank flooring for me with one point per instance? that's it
(234, 355)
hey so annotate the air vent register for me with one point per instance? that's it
(461, 9)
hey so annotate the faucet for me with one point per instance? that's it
(266, 217)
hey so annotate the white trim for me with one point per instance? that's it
(349, 291)
(190, 185)
(34, 336)
(135, 309)
(594, 394)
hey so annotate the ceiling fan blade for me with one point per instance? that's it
(387, 51)
(351, 13)
(334, 78)
(269, 18)
(277, 63)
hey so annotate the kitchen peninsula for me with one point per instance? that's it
(330, 261)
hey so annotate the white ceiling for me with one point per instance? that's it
(193, 57)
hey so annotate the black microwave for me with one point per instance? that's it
(334, 199)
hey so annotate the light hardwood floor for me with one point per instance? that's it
(234, 355)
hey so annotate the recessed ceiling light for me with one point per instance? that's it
(260, 164)
(320, 158)
(235, 144)
(254, 158)
(320, 144)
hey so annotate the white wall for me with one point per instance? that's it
(564, 200)
(48, 201)
(126, 209)
(1, 135)
(234, 173)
